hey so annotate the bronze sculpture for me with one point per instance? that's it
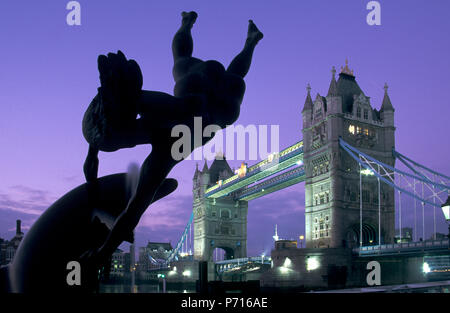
(203, 88)
(88, 223)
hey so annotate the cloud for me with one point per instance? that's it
(26, 200)
(22, 227)
(26, 206)
(71, 179)
(172, 211)
(8, 222)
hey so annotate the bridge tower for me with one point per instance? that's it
(332, 185)
(218, 223)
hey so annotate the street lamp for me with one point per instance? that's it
(301, 240)
(446, 210)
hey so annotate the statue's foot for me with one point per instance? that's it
(189, 18)
(254, 34)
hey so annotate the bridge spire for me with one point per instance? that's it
(332, 91)
(386, 105)
(308, 102)
(346, 70)
(205, 167)
(196, 171)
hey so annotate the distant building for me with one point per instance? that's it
(127, 262)
(153, 254)
(8, 248)
(2, 251)
(118, 264)
(407, 235)
(440, 236)
(285, 244)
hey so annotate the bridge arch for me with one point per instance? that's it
(229, 252)
(369, 235)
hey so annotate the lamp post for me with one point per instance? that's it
(446, 210)
(301, 240)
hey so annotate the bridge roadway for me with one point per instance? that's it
(406, 248)
(275, 163)
(283, 180)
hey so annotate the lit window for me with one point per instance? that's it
(351, 129)
(366, 132)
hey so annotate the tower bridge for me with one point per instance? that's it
(347, 161)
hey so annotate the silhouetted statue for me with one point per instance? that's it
(203, 88)
(88, 223)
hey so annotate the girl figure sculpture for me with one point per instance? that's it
(122, 115)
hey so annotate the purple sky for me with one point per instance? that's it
(49, 75)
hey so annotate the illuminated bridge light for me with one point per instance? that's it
(187, 273)
(312, 263)
(367, 172)
(287, 263)
(426, 268)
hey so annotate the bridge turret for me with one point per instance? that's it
(196, 173)
(387, 110)
(307, 108)
(334, 100)
(332, 179)
(332, 90)
(218, 223)
(205, 175)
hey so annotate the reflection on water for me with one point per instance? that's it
(141, 288)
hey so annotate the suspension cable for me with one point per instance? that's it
(423, 216)
(434, 211)
(360, 207)
(379, 210)
(400, 213)
(415, 213)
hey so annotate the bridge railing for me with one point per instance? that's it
(256, 259)
(246, 191)
(235, 264)
(259, 167)
(405, 246)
